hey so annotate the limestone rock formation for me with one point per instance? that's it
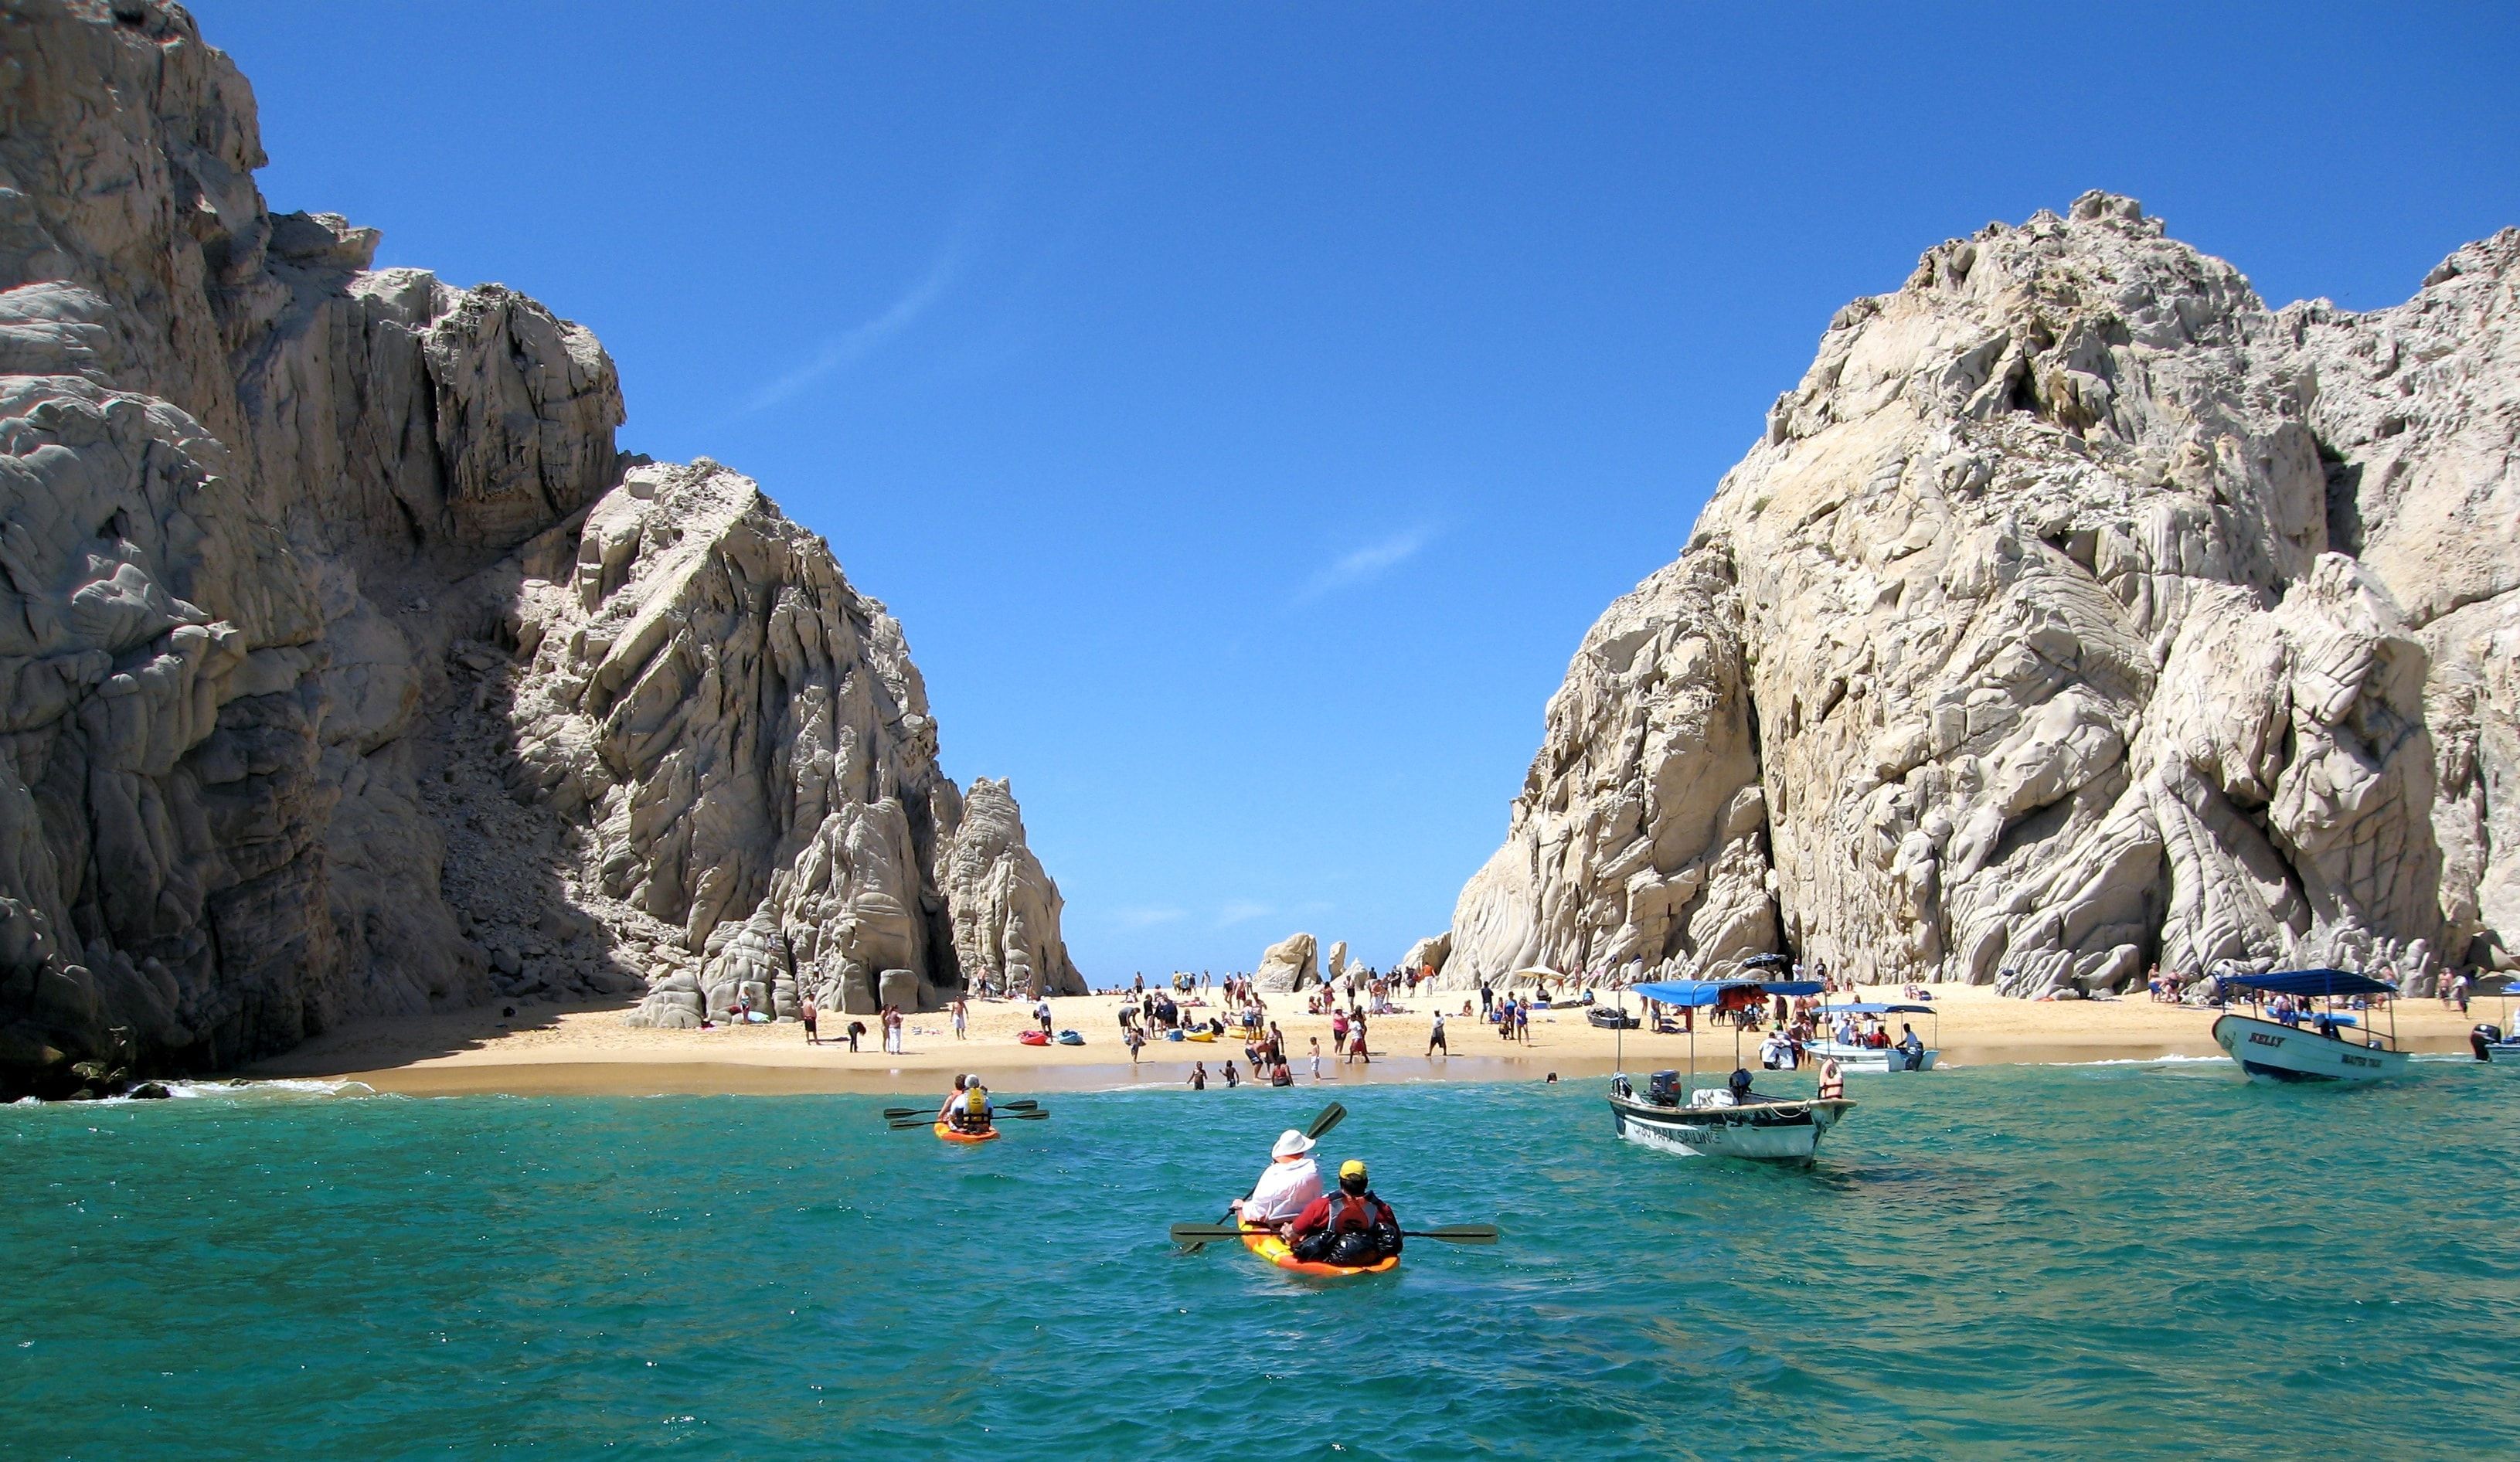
(2074, 612)
(1288, 965)
(1428, 954)
(344, 668)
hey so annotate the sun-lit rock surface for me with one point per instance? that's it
(2074, 612)
(345, 669)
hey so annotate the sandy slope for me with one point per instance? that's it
(545, 1048)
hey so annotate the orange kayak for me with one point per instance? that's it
(947, 1132)
(1266, 1243)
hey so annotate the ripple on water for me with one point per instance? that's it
(2141, 1260)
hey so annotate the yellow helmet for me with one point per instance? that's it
(1351, 1168)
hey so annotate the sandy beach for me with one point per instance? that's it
(585, 1048)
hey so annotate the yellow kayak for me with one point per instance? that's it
(1266, 1243)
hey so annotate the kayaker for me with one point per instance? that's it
(952, 1101)
(973, 1114)
(1350, 1228)
(1288, 1187)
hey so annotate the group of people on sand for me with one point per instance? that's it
(1348, 1227)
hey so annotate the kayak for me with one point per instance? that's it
(1269, 1246)
(1071, 1037)
(1201, 1036)
(947, 1132)
(1033, 1038)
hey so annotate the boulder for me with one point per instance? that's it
(1288, 965)
(1428, 954)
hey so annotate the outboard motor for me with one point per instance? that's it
(2482, 1039)
(1662, 1088)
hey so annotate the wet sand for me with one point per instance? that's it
(584, 1048)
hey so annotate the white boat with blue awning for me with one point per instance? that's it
(1854, 1057)
(1675, 1115)
(2300, 1044)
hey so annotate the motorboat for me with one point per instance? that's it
(1717, 1122)
(2300, 1044)
(1854, 1058)
(1674, 1114)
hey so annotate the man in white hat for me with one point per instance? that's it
(1288, 1187)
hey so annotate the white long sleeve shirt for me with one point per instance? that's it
(1283, 1192)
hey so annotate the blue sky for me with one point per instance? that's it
(1247, 408)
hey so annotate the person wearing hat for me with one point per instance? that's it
(1350, 1228)
(971, 1112)
(1289, 1184)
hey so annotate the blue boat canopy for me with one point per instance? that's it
(1711, 991)
(2321, 982)
(1872, 1010)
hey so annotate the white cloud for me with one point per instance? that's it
(1367, 563)
(860, 340)
(1241, 911)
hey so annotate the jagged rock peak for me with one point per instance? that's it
(345, 665)
(2074, 612)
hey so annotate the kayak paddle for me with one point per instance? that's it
(1195, 1237)
(898, 1113)
(916, 1123)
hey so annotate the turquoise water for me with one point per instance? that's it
(2127, 1260)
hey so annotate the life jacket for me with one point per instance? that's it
(975, 1107)
(1350, 1213)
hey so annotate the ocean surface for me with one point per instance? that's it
(2127, 1260)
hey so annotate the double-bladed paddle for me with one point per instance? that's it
(1002, 1115)
(1196, 1236)
(898, 1113)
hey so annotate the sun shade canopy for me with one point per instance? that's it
(1711, 991)
(2323, 982)
(1871, 1009)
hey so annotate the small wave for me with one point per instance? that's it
(276, 1086)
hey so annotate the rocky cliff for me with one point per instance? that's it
(347, 667)
(2074, 612)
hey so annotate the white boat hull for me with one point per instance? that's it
(1767, 1133)
(1856, 1060)
(2272, 1051)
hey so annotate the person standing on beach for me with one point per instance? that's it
(805, 1013)
(1358, 1050)
(961, 1018)
(1522, 1022)
(1135, 1038)
(1317, 1058)
(1435, 1036)
(1487, 1000)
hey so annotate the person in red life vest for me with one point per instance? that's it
(1350, 1228)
